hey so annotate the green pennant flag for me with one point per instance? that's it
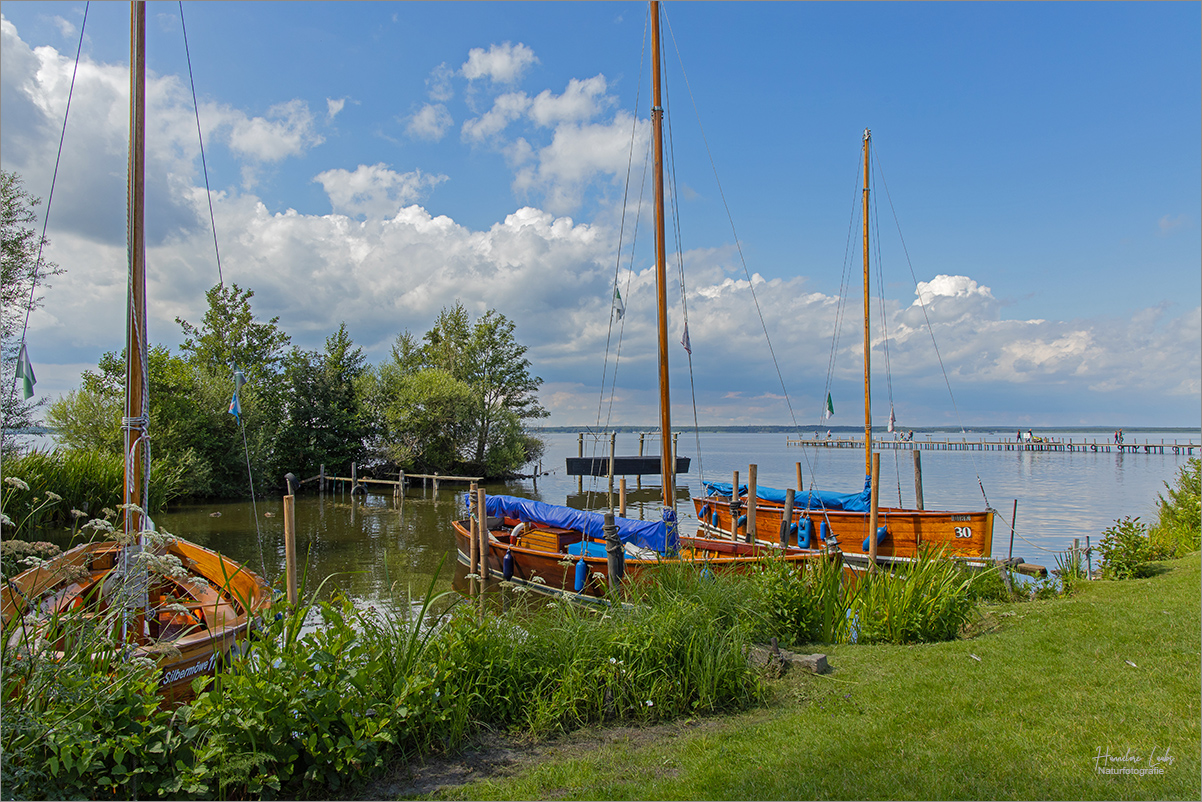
(25, 372)
(830, 408)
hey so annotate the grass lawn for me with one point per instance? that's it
(1028, 708)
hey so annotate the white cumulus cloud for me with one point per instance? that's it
(503, 64)
(375, 190)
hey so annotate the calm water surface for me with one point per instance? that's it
(376, 548)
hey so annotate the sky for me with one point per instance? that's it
(1036, 177)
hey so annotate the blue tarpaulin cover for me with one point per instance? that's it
(808, 500)
(647, 534)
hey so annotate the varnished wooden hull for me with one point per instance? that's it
(964, 535)
(550, 570)
(220, 611)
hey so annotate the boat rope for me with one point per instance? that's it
(738, 244)
(880, 289)
(37, 264)
(204, 166)
(240, 424)
(930, 328)
(613, 297)
(684, 305)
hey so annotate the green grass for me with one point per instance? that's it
(1053, 685)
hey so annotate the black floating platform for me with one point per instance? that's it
(623, 466)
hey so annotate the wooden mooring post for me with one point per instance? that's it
(734, 508)
(622, 497)
(786, 519)
(290, 538)
(918, 480)
(751, 487)
(485, 550)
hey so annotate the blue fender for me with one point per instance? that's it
(581, 574)
(881, 533)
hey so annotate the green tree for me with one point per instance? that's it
(230, 338)
(322, 422)
(21, 274)
(458, 400)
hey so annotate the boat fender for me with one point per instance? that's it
(824, 531)
(507, 566)
(742, 522)
(707, 574)
(805, 531)
(714, 520)
(581, 574)
(705, 510)
(881, 533)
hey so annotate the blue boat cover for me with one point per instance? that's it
(646, 534)
(809, 500)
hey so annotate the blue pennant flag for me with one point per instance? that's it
(235, 407)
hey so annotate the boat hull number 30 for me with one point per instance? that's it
(963, 531)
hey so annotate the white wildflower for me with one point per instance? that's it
(472, 576)
(77, 514)
(538, 580)
(15, 482)
(650, 703)
(50, 494)
(4, 519)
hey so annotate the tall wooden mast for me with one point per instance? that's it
(667, 458)
(136, 413)
(867, 331)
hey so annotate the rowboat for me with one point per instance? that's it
(149, 595)
(849, 519)
(559, 550)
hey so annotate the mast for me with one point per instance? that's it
(867, 332)
(136, 414)
(667, 458)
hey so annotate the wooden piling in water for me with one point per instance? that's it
(290, 546)
(622, 497)
(918, 480)
(786, 520)
(751, 487)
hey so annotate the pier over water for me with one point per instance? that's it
(1047, 444)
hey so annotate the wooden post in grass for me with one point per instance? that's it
(473, 558)
(1013, 518)
(622, 497)
(734, 508)
(751, 471)
(918, 479)
(290, 545)
(872, 510)
(484, 549)
(786, 521)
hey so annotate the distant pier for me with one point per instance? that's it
(1040, 444)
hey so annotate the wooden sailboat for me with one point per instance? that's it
(559, 550)
(186, 619)
(848, 519)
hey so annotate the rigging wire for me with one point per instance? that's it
(931, 331)
(37, 264)
(880, 288)
(203, 164)
(241, 424)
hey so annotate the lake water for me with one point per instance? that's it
(376, 548)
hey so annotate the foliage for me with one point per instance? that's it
(1178, 528)
(21, 274)
(457, 400)
(1125, 549)
(83, 480)
(1070, 570)
(229, 337)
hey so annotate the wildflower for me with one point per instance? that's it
(50, 494)
(4, 519)
(15, 482)
(599, 576)
(650, 703)
(538, 580)
(613, 661)
(107, 512)
(77, 514)
(472, 576)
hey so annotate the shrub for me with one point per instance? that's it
(1125, 549)
(1178, 528)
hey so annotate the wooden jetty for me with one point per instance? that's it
(1039, 444)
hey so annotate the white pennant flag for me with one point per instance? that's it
(25, 373)
(892, 418)
(688, 346)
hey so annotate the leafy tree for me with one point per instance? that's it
(20, 277)
(457, 401)
(322, 422)
(229, 337)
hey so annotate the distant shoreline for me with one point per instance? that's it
(878, 430)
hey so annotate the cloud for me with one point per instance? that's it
(333, 106)
(286, 130)
(1168, 225)
(374, 191)
(439, 83)
(65, 27)
(506, 108)
(430, 123)
(502, 64)
(582, 100)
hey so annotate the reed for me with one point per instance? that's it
(929, 601)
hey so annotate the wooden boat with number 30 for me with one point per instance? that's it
(845, 519)
(142, 595)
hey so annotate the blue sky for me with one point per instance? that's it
(374, 162)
